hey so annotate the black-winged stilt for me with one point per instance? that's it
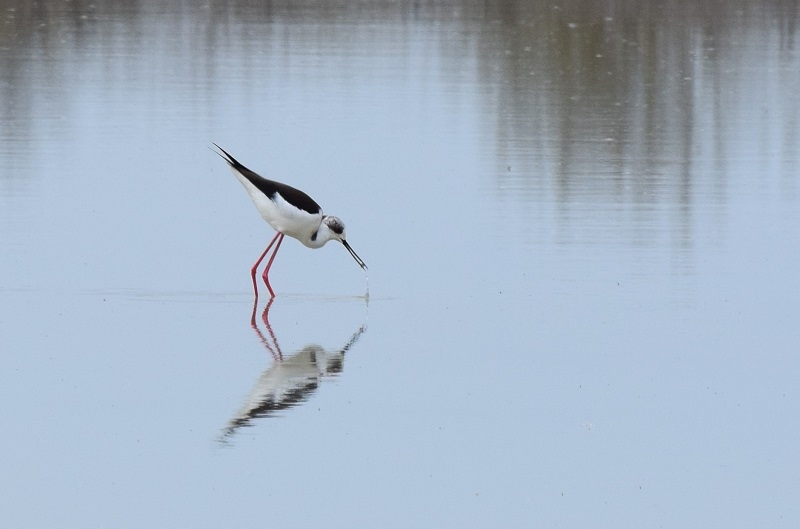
(290, 212)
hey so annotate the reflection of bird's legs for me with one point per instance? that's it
(258, 262)
(253, 315)
(265, 319)
(276, 350)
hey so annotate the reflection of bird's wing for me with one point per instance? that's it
(283, 385)
(289, 382)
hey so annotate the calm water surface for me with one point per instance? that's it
(583, 232)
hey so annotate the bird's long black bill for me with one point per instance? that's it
(361, 263)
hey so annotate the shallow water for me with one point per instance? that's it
(582, 227)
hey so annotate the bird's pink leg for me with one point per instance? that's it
(265, 275)
(255, 266)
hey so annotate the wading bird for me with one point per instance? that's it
(290, 212)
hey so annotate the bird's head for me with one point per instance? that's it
(336, 228)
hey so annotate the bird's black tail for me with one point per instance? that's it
(233, 162)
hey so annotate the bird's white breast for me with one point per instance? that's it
(281, 215)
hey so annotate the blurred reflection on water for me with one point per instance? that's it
(641, 113)
(621, 115)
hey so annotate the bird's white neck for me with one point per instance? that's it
(320, 237)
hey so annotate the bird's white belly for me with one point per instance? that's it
(291, 221)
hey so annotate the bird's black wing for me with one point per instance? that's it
(293, 196)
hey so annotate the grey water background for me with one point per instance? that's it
(582, 222)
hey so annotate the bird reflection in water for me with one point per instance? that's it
(290, 380)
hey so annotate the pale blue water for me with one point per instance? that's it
(582, 231)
